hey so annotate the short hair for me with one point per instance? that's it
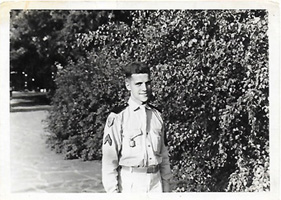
(136, 68)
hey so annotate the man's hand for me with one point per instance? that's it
(166, 186)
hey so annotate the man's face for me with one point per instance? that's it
(139, 86)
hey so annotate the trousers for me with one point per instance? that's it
(139, 182)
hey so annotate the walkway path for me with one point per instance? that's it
(35, 168)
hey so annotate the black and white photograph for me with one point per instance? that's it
(143, 98)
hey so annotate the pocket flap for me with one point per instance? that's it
(157, 132)
(132, 133)
(136, 134)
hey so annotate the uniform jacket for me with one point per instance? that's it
(133, 137)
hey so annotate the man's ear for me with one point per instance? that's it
(127, 84)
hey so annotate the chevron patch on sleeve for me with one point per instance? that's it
(108, 140)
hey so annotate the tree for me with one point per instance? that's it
(42, 40)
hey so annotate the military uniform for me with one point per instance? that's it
(135, 158)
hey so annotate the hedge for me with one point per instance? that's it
(210, 78)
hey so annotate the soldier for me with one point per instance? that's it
(135, 156)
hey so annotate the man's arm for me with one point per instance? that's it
(110, 151)
(165, 168)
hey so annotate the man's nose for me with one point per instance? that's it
(144, 87)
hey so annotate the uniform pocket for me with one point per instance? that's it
(132, 141)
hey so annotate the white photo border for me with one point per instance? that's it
(273, 8)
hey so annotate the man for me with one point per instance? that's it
(135, 157)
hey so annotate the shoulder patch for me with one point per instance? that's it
(119, 109)
(110, 121)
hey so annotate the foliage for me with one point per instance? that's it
(43, 40)
(85, 91)
(210, 71)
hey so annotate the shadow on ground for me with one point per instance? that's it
(29, 101)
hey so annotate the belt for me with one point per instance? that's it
(149, 170)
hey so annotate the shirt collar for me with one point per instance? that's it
(134, 106)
